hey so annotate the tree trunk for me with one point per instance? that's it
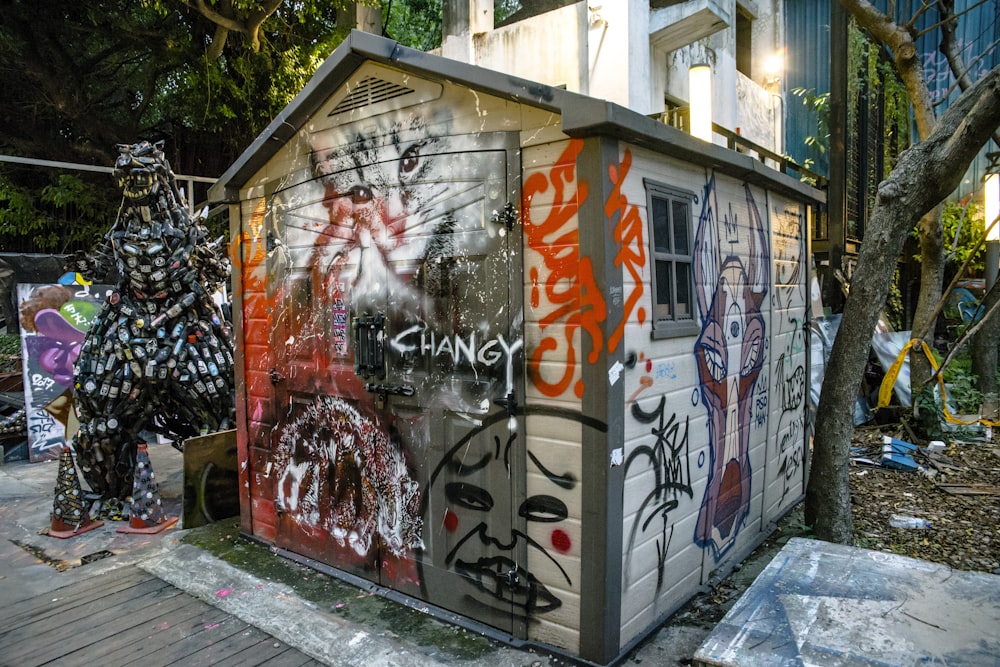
(931, 281)
(986, 340)
(925, 174)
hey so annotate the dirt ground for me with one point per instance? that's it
(959, 494)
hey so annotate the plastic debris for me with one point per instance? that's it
(903, 521)
(898, 454)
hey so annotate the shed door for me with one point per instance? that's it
(401, 455)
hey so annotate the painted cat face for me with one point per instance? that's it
(378, 189)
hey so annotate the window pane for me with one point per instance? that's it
(681, 221)
(684, 300)
(663, 288)
(661, 226)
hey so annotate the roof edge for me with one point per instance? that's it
(602, 118)
(582, 116)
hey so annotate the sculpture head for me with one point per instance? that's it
(141, 169)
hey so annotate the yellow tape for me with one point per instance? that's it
(885, 390)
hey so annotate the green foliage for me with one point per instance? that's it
(820, 106)
(894, 303)
(68, 212)
(10, 353)
(414, 23)
(963, 396)
(960, 384)
(963, 228)
(81, 77)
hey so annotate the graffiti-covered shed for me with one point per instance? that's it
(522, 354)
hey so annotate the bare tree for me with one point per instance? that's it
(924, 175)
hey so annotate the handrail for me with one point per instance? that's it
(785, 163)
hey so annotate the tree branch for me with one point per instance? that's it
(225, 18)
(904, 53)
(949, 48)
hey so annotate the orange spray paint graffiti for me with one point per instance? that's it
(632, 251)
(569, 286)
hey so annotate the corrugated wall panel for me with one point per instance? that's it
(807, 65)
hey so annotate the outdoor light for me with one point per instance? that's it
(774, 64)
(700, 100)
(992, 205)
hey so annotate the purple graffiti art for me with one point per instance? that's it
(731, 286)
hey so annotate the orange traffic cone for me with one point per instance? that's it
(69, 515)
(147, 514)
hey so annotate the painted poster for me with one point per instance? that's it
(54, 320)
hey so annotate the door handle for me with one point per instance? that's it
(382, 392)
(394, 389)
(369, 346)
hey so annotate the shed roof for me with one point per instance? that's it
(582, 116)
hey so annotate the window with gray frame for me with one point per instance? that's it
(669, 212)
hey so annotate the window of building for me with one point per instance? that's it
(669, 212)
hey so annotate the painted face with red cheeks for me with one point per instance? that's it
(482, 545)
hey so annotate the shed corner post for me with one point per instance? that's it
(237, 235)
(604, 399)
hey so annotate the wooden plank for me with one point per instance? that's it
(55, 642)
(257, 654)
(131, 646)
(206, 636)
(59, 614)
(970, 489)
(293, 658)
(234, 643)
(67, 596)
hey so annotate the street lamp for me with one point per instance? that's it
(991, 207)
(700, 100)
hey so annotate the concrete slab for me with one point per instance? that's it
(818, 603)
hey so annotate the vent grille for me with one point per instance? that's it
(370, 90)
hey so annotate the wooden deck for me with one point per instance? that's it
(132, 617)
